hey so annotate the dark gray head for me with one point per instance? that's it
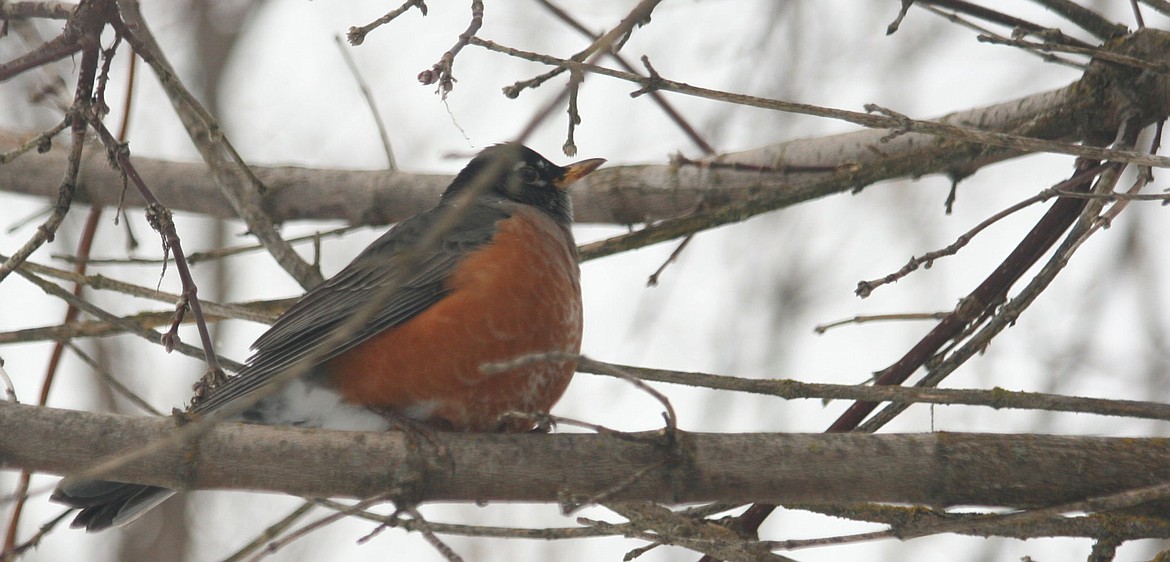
(516, 172)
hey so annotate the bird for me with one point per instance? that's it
(488, 275)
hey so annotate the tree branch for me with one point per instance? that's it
(936, 469)
(637, 194)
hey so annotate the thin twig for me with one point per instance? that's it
(441, 72)
(1098, 504)
(1097, 53)
(865, 288)
(1081, 227)
(64, 45)
(864, 318)
(901, 124)
(369, 97)
(16, 551)
(257, 311)
(892, 28)
(498, 367)
(424, 527)
(472, 530)
(357, 35)
(610, 369)
(613, 39)
(1009, 21)
(124, 324)
(574, 87)
(160, 219)
(272, 531)
(1088, 526)
(113, 382)
(1085, 18)
(84, 245)
(661, 101)
(303, 531)
(609, 42)
(48, 228)
(238, 184)
(997, 398)
(621, 373)
(984, 32)
(653, 280)
(42, 142)
(215, 253)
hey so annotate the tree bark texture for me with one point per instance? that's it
(1088, 109)
(935, 469)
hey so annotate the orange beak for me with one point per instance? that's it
(576, 171)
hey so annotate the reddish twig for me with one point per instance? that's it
(84, 245)
(84, 31)
(988, 294)
(15, 551)
(160, 219)
(64, 45)
(1059, 218)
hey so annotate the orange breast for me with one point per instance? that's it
(516, 296)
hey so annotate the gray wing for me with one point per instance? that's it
(383, 270)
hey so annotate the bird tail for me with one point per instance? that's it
(107, 504)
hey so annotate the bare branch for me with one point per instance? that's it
(237, 183)
(629, 195)
(792, 389)
(898, 124)
(934, 469)
(1085, 18)
(357, 35)
(442, 72)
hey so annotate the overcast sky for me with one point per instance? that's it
(741, 300)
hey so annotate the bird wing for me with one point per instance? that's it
(395, 274)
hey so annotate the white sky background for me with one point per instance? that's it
(742, 300)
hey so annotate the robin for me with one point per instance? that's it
(487, 276)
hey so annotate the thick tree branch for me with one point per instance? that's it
(1086, 109)
(936, 469)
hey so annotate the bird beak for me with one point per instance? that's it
(576, 171)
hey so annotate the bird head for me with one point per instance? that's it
(516, 172)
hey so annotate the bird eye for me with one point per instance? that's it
(528, 175)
